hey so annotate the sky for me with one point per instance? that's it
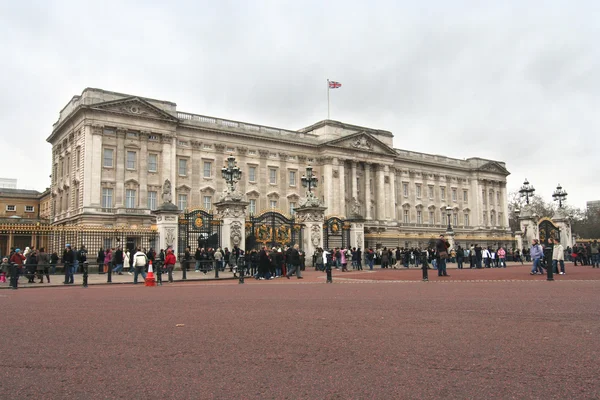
(515, 81)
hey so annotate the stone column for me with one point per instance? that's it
(380, 192)
(328, 182)
(142, 169)
(92, 160)
(312, 231)
(528, 225)
(167, 224)
(392, 201)
(233, 223)
(367, 212)
(120, 155)
(519, 240)
(341, 203)
(357, 235)
(561, 220)
(353, 185)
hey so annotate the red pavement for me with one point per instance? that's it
(304, 339)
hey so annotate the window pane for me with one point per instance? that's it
(273, 203)
(207, 169)
(107, 195)
(252, 207)
(443, 192)
(182, 201)
(466, 219)
(292, 178)
(465, 196)
(152, 200)
(130, 198)
(431, 192)
(108, 158)
(418, 191)
(252, 174)
(405, 189)
(453, 194)
(406, 216)
(152, 162)
(182, 167)
(207, 201)
(292, 206)
(131, 160)
(419, 216)
(273, 176)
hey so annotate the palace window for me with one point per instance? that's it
(11, 208)
(207, 202)
(152, 200)
(251, 174)
(431, 217)
(252, 206)
(130, 198)
(292, 178)
(497, 198)
(483, 197)
(443, 192)
(419, 217)
(109, 131)
(500, 219)
(109, 155)
(466, 219)
(29, 208)
(182, 168)
(207, 169)
(292, 206)
(131, 160)
(418, 188)
(454, 195)
(182, 201)
(465, 196)
(273, 204)
(406, 217)
(272, 176)
(152, 162)
(491, 197)
(132, 135)
(455, 219)
(405, 189)
(107, 198)
(78, 158)
(430, 192)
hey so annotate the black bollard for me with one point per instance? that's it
(14, 277)
(66, 267)
(85, 274)
(184, 267)
(549, 271)
(329, 277)
(240, 270)
(109, 273)
(159, 273)
(425, 273)
(216, 270)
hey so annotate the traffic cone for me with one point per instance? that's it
(150, 281)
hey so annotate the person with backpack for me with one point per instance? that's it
(170, 261)
(460, 254)
(140, 260)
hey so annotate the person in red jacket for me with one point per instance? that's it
(17, 258)
(170, 261)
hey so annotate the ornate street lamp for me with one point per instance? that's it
(449, 212)
(232, 173)
(526, 190)
(559, 195)
(309, 181)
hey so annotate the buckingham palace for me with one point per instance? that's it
(112, 152)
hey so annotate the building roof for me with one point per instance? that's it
(19, 192)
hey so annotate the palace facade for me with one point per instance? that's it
(112, 152)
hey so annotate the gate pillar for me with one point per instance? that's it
(519, 240)
(528, 225)
(312, 230)
(561, 220)
(233, 223)
(167, 224)
(357, 235)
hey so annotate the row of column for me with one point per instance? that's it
(384, 194)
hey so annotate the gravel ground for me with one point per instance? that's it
(292, 339)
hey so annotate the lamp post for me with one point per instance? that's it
(232, 173)
(527, 191)
(559, 195)
(309, 181)
(449, 212)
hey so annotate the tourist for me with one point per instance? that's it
(139, 263)
(100, 260)
(344, 259)
(67, 260)
(460, 253)
(501, 257)
(108, 256)
(536, 253)
(595, 253)
(119, 258)
(385, 258)
(294, 263)
(264, 264)
(43, 263)
(170, 261)
(370, 258)
(558, 257)
(441, 246)
(487, 257)
(4, 270)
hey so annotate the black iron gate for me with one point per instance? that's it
(198, 228)
(336, 233)
(272, 229)
(548, 230)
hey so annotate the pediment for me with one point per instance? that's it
(363, 142)
(273, 195)
(292, 196)
(183, 188)
(134, 106)
(207, 189)
(493, 166)
(253, 193)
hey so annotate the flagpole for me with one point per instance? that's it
(327, 98)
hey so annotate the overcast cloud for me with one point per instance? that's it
(517, 82)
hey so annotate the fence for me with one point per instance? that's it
(54, 238)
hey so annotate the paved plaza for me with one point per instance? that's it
(370, 335)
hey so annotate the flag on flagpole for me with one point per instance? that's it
(334, 85)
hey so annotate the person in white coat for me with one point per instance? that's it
(558, 257)
(126, 260)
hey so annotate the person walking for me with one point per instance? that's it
(119, 258)
(67, 260)
(43, 265)
(595, 253)
(460, 254)
(536, 253)
(501, 253)
(558, 258)
(140, 260)
(441, 247)
(295, 263)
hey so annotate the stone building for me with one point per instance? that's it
(111, 152)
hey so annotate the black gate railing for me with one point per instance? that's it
(272, 229)
(548, 230)
(336, 233)
(198, 228)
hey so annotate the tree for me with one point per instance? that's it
(537, 204)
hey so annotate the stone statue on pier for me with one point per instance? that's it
(167, 197)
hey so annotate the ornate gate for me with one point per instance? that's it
(272, 229)
(198, 228)
(336, 233)
(548, 230)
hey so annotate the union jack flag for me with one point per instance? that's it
(334, 85)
